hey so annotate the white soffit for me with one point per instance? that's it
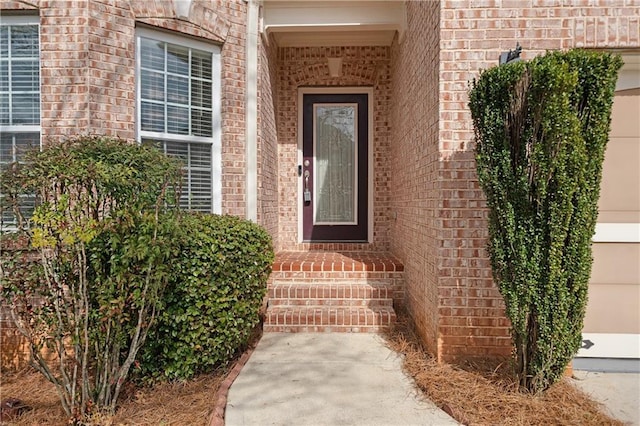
(333, 23)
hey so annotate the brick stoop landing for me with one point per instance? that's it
(321, 291)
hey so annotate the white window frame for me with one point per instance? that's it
(216, 137)
(12, 21)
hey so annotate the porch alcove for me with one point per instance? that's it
(339, 286)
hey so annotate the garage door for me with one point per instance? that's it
(612, 322)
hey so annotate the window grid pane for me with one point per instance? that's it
(19, 75)
(178, 80)
(12, 148)
(197, 182)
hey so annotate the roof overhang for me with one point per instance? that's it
(333, 23)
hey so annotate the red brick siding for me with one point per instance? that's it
(233, 109)
(362, 66)
(414, 157)
(88, 70)
(64, 76)
(111, 57)
(268, 138)
(17, 5)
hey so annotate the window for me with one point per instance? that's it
(178, 94)
(19, 98)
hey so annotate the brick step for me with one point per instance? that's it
(330, 293)
(331, 302)
(349, 319)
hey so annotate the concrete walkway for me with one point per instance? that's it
(618, 392)
(326, 379)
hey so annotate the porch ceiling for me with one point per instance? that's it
(333, 23)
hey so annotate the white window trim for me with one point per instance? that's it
(216, 98)
(20, 20)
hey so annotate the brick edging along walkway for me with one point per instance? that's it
(220, 397)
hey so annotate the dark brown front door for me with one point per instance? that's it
(335, 181)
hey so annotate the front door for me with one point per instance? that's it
(334, 172)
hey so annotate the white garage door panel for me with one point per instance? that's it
(612, 321)
(620, 195)
(598, 345)
(613, 308)
(625, 105)
(616, 263)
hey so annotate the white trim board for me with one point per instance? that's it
(251, 111)
(610, 345)
(21, 19)
(617, 233)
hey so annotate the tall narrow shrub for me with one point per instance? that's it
(541, 130)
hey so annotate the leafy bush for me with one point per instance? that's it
(89, 301)
(215, 291)
(541, 130)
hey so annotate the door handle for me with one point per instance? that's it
(307, 192)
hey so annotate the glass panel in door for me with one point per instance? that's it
(336, 167)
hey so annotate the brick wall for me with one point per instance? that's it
(268, 138)
(414, 157)
(233, 110)
(64, 76)
(88, 69)
(16, 5)
(15, 352)
(441, 227)
(111, 67)
(362, 66)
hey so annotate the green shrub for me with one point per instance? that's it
(541, 130)
(102, 252)
(216, 288)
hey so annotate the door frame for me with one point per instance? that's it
(337, 90)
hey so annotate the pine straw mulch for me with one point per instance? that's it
(486, 394)
(478, 394)
(179, 403)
